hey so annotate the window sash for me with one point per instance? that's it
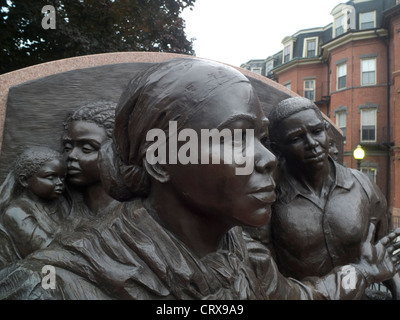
(341, 122)
(341, 76)
(286, 53)
(342, 82)
(367, 20)
(368, 125)
(339, 26)
(311, 44)
(368, 71)
(368, 77)
(309, 89)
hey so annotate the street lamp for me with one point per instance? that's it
(359, 154)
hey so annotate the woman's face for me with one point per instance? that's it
(216, 189)
(48, 182)
(81, 147)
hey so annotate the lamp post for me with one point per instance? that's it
(359, 154)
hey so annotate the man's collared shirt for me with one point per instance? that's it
(311, 235)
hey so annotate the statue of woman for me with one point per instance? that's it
(33, 209)
(178, 237)
(84, 132)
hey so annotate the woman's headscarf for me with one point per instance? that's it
(170, 91)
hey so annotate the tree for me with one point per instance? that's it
(89, 27)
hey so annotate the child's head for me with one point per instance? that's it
(41, 171)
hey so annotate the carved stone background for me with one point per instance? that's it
(34, 101)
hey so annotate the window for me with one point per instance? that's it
(288, 85)
(309, 89)
(311, 45)
(368, 71)
(286, 54)
(370, 172)
(339, 25)
(341, 71)
(269, 68)
(256, 70)
(367, 20)
(341, 122)
(368, 125)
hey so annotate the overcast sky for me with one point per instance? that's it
(236, 31)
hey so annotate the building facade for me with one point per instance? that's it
(351, 69)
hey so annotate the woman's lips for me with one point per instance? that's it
(266, 195)
(71, 170)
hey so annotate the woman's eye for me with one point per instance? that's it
(87, 148)
(67, 147)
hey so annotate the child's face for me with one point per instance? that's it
(48, 182)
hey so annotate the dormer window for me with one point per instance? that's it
(269, 68)
(344, 19)
(339, 25)
(286, 53)
(288, 44)
(310, 47)
(367, 20)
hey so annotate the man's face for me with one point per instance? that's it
(304, 141)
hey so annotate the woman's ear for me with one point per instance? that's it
(23, 180)
(157, 171)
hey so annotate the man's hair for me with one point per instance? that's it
(287, 108)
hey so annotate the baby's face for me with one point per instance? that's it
(48, 182)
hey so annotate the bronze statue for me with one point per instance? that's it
(33, 209)
(323, 209)
(179, 235)
(84, 131)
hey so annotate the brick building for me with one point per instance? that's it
(351, 69)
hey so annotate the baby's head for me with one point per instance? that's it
(41, 171)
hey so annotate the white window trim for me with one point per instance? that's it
(258, 69)
(288, 41)
(345, 120)
(291, 52)
(348, 12)
(361, 73)
(376, 119)
(337, 76)
(304, 87)
(344, 24)
(359, 19)
(305, 51)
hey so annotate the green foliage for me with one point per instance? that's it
(88, 27)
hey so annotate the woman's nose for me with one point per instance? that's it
(73, 155)
(265, 160)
